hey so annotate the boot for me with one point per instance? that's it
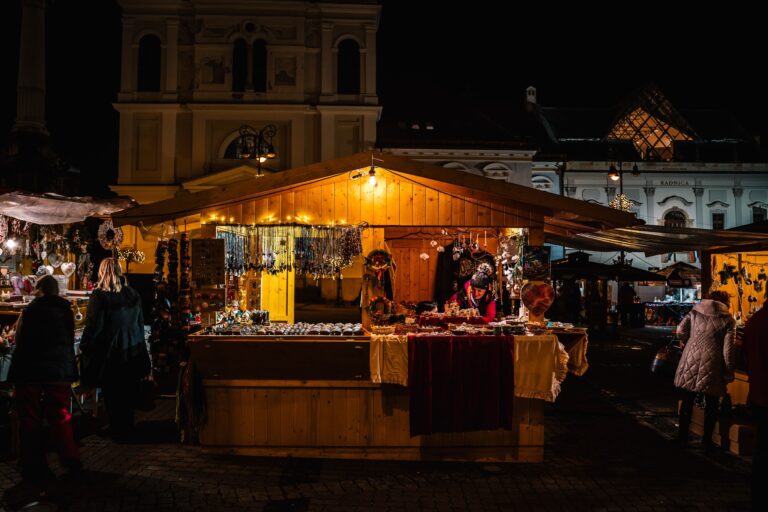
(709, 429)
(682, 431)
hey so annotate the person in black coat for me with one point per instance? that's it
(115, 356)
(42, 370)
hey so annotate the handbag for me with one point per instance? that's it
(667, 358)
(145, 395)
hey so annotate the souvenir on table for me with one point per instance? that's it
(537, 297)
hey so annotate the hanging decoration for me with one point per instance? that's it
(109, 236)
(131, 256)
(378, 307)
(317, 251)
(3, 227)
(378, 263)
(621, 202)
(185, 294)
(509, 254)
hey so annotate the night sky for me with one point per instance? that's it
(447, 53)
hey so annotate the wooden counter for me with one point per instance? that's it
(312, 397)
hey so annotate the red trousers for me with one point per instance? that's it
(33, 400)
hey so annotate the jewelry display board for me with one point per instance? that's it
(208, 261)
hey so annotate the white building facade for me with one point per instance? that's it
(698, 170)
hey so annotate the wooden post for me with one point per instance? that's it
(536, 236)
(706, 273)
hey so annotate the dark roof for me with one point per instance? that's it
(715, 125)
(580, 133)
(755, 227)
(431, 125)
(577, 123)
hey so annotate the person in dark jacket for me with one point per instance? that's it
(42, 370)
(115, 355)
(755, 349)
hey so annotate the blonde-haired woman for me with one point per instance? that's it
(115, 356)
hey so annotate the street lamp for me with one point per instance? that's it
(620, 201)
(257, 144)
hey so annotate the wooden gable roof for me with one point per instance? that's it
(451, 197)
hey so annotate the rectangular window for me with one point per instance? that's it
(718, 221)
(758, 214)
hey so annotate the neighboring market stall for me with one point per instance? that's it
(358, 389)
(45, 234)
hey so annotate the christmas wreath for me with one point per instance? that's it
(378, 306)
(110, 237)
(378, 263)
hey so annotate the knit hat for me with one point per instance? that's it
(480, 280)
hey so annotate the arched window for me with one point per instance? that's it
(541, 183)
(259, 65)
(149, 64)
(675, 219)
(348, 71)
(239, 66)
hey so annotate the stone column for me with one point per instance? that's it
(30, 90)
(649, 205)
(699, 193)
(369, 89)
(326, 59)
(171, 59)
(737, 193)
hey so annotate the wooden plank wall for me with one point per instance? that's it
(394, 201)
(350, 419)
(414, 277)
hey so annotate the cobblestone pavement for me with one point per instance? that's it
(606, 449)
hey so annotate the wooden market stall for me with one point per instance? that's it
(313, 395)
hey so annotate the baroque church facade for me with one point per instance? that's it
(195, 71)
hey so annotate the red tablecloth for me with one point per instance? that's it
(460, 383)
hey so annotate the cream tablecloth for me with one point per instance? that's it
(541, 363)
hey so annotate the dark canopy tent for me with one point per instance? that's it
(681, 275)
(653, 240)
(582, 268)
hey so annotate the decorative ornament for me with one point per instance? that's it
(537, 297)
(55, 260)
(379, 306)
(131, 255)
(110, 237)
(68, 268)
(424, 256)
(378, 262)
(440, 248)
(485, 268)
(433, 243)
(3, 227)
(621, 202)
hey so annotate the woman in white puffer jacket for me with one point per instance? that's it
(707, 363)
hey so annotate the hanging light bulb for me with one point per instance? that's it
(372, 176)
